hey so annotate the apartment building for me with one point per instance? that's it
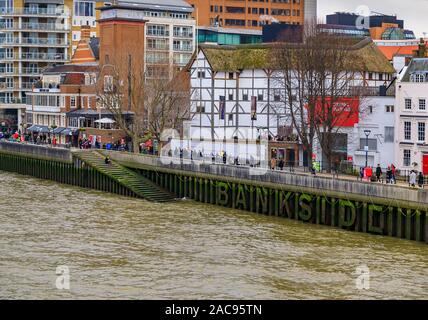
(33, 35)
(412, 117)
(169, 32)
(252, 14)
(84, 13)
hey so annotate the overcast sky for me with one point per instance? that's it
(413, 12)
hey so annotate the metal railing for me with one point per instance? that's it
(23, 71)
(183, 34)
(33, 11)
(34, 41)
(35, 26)
(16, 86)
(12, 100)
(183, 48)
(33, 56)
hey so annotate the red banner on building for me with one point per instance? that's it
(344, 112)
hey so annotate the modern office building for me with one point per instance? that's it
(252, 14)
(33, 35)
(380, 26)
(228, 36)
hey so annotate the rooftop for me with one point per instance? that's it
(417, 65)
(365, 56)
(170, 5)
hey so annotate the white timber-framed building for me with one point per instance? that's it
(253, 100)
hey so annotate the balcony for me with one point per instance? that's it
(45, 12)
(185, 48)
(32, 27)
(188, 35)
(10, 72)
(36, 42)
(25, 86)
(10, 101)
(34, 56)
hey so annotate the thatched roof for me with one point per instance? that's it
(365, 57)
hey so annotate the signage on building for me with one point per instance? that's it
(343, 112)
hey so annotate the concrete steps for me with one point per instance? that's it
(141, 186)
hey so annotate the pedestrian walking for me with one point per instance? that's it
(361, 174)
(412, 179)
(281, 164)
(394, 172)
(378, 173)
(273, 163)
(389, 175)
(421, 180)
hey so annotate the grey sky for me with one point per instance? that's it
(413, 12)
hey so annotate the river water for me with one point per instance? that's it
(117, 248)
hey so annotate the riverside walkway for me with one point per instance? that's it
(393, 210)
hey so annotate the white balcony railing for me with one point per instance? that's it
(16, 86)
(12, 100)
(33, 56)
(58, 11)
(35, 26)
(34, 41)
(183, 48)
(23, 71)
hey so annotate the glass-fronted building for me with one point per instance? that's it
(223, 36)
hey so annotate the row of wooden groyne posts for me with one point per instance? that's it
(356, 206)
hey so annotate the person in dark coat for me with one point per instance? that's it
(420, 180)
(378, 173)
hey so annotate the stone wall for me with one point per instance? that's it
(42, 152)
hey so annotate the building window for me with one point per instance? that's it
(73, 102)
(389, 134)
(230, 119)
(245, 95)
(230, 75)
(200, 108)
(201, 74)
(84, 8)
(421, 131)
(407, 130)
(422, 104)
(406, 158)
(372, 144)
(370, 109)
(389, 109)
(260, 96)
(418, 78)
(276, 96)
(408, 104)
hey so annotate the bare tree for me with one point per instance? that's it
(143, 104)
(167, 103)
(318, 78)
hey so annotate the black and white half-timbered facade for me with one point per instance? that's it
(235, 95)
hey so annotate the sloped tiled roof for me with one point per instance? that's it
(417, 65)
(69, 68)
(74, 78)
(391, 51)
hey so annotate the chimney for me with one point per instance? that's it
(85, 33)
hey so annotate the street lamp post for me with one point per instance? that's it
(367, 133)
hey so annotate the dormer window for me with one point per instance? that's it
(418, 77)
